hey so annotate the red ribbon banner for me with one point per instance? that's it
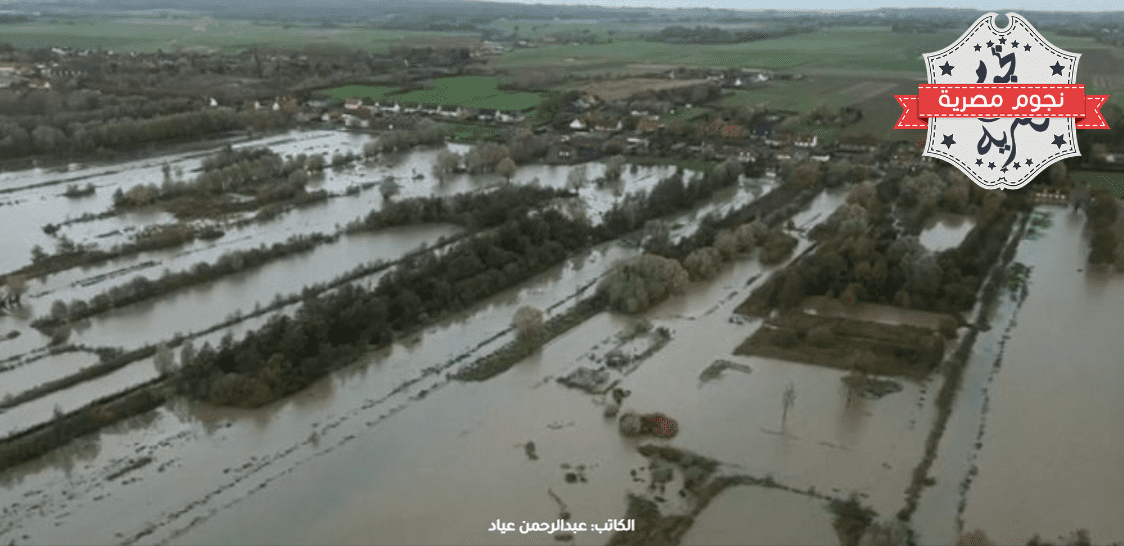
(1001, 101)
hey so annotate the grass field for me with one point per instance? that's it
(470, 133)
(1113, 182)
(371, 92)
(472, 91)
(859, 48)
(147, 34)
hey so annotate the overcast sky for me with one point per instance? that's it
(1025, 5)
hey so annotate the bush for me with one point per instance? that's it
(641, 282)
(778, 245)
(703, 264)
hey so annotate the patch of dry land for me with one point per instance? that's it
(836, 342)
(627, 87)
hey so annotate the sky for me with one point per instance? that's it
(1015, 5)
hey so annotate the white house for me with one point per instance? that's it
(577, 124)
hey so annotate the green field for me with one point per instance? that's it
(471, 91)
(147, 34)
(1113, 182)
(470, 133)
(861, 48)
(797, 95)
(370, 92)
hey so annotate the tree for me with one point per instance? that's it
(702, 264)
(805, 175)
(17, 285)
(1058, 173)
(164, 360)
(576, 178)
(506, 168)
(787, 400)
(529, 326)
(726, 243)
(638, 283)
(445, 163)
(389, 188)
(58, 310)
(613, 168)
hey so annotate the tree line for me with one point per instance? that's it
(865, 254)
(334, 328)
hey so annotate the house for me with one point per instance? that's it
(739, 153)
(805, 141)
(353, 103)
(561, 153)
(636, 144)
(486, 114)
(577, 125)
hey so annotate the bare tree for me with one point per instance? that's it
(529, 325)
(787, 400)
(164, 360)
(614, 167)
(389, 188)
(506, 168)
(576, 179)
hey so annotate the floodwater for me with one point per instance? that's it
(1043, 402)
(1051, 429)
(36, 200)
(217, 461)
(726, 522)
(946, 230)
(389, 451)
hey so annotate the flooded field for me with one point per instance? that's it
(1034, 375)
(391, 450)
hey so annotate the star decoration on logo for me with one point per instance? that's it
(1034, 139)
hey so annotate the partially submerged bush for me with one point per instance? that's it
(641, 282)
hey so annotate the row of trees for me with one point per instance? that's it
(333, 328)
(141, 288)
(864, 256)
(259, 171)
(427, 132)
(125, 134)
(472, 210)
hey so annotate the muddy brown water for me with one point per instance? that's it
(1049, 461)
